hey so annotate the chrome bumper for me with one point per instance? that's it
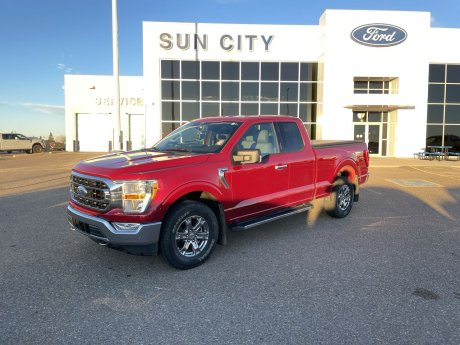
(105, 233)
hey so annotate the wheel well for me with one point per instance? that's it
(352, 178)
(209, 200)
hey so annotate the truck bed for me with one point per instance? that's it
(320, 144)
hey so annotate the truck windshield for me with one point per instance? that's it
(198, 137)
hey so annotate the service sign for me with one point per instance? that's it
(379, 35)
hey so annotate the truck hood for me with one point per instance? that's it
(123, 164)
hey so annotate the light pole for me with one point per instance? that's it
(118, 144)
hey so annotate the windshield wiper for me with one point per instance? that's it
(177, 149)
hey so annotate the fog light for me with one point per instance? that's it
(126, 226)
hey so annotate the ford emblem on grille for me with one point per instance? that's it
(82, 191)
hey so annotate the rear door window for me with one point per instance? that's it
(290, 137)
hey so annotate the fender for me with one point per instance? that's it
(196, 186)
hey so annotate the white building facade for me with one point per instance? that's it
(383, 77)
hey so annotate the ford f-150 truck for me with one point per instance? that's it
(182, 195)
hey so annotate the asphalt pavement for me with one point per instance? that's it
(389, 273)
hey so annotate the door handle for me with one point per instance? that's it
(281, 167)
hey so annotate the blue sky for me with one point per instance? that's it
(41, 40)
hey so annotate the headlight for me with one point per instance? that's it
(136, 195)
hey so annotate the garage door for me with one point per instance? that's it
(94, 132)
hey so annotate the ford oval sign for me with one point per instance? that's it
(379, 35)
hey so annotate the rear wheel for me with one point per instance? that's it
(341, 200)
(189, 235)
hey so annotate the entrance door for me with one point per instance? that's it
(369, 134)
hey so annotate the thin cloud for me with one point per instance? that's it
(49, 109)
(66, 69)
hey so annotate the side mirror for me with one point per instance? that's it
(247, 156)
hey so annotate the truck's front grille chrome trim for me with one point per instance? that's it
(91, 192)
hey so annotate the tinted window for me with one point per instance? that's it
(308, 92)
(169, 69)
(290, 138)
(210, 90)
(170, 90)
(250, 71)
(453, 73)
(269, 92)
(170, 111)
(290, 71)
(308, 72)
(437, 73)
(436, 93)
(435, 113)
(453, 114)
(191, 90)
(190, 69)
(289, 92)
(270, 71)
(250, 91)
(230, 91)
(209, 109)
(210, 70)
(230, 71)
(190, 111)
(453, 93)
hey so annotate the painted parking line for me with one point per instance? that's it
(413, 183)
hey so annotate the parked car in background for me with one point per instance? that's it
(54, 145)
(10, 142)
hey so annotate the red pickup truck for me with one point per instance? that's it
(182, 195)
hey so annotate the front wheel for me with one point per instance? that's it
(189, 234)
(37, 148)
(341, 199)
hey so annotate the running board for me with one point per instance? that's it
(269, 218)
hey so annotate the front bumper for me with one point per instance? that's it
(104, 232)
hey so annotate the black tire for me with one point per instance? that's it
(37, 148)
(189, 234)
(341, 200)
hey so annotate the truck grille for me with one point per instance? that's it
(90, 192)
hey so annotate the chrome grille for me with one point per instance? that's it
(90, 192)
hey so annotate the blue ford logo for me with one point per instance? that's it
(82, 191)
(379, 35)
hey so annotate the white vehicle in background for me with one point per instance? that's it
(10, 142)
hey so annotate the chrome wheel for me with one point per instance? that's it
(344, 197)
(192, 235)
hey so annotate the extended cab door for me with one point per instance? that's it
(259, 187)
(299, 156)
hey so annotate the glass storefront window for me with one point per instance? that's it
(210, 70)
(193, 89)
(209, 109)
(190, 111)
(289, 92)
(230, 91)
(249, 71)
(437, 73)
(269, 92)
(230, 71)
(269, 108)
(250, 108)
(170, 69)
(249, 92)
(452, 93)
(170, 90)
(270, 71)
(452, 114)
(230, 109)
(453, 73)
(435, 113)
(436, 93)
(289, 71)
(308, 72)
(170, 111)
(190, 70)
(210, 91)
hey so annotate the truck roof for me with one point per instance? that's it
(249, 118)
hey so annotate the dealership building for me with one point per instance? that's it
(383, 77)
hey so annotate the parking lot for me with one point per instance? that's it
(389, 273)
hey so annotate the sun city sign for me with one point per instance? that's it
(227, 42)
(379, 35)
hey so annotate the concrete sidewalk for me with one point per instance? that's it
(397, 162)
